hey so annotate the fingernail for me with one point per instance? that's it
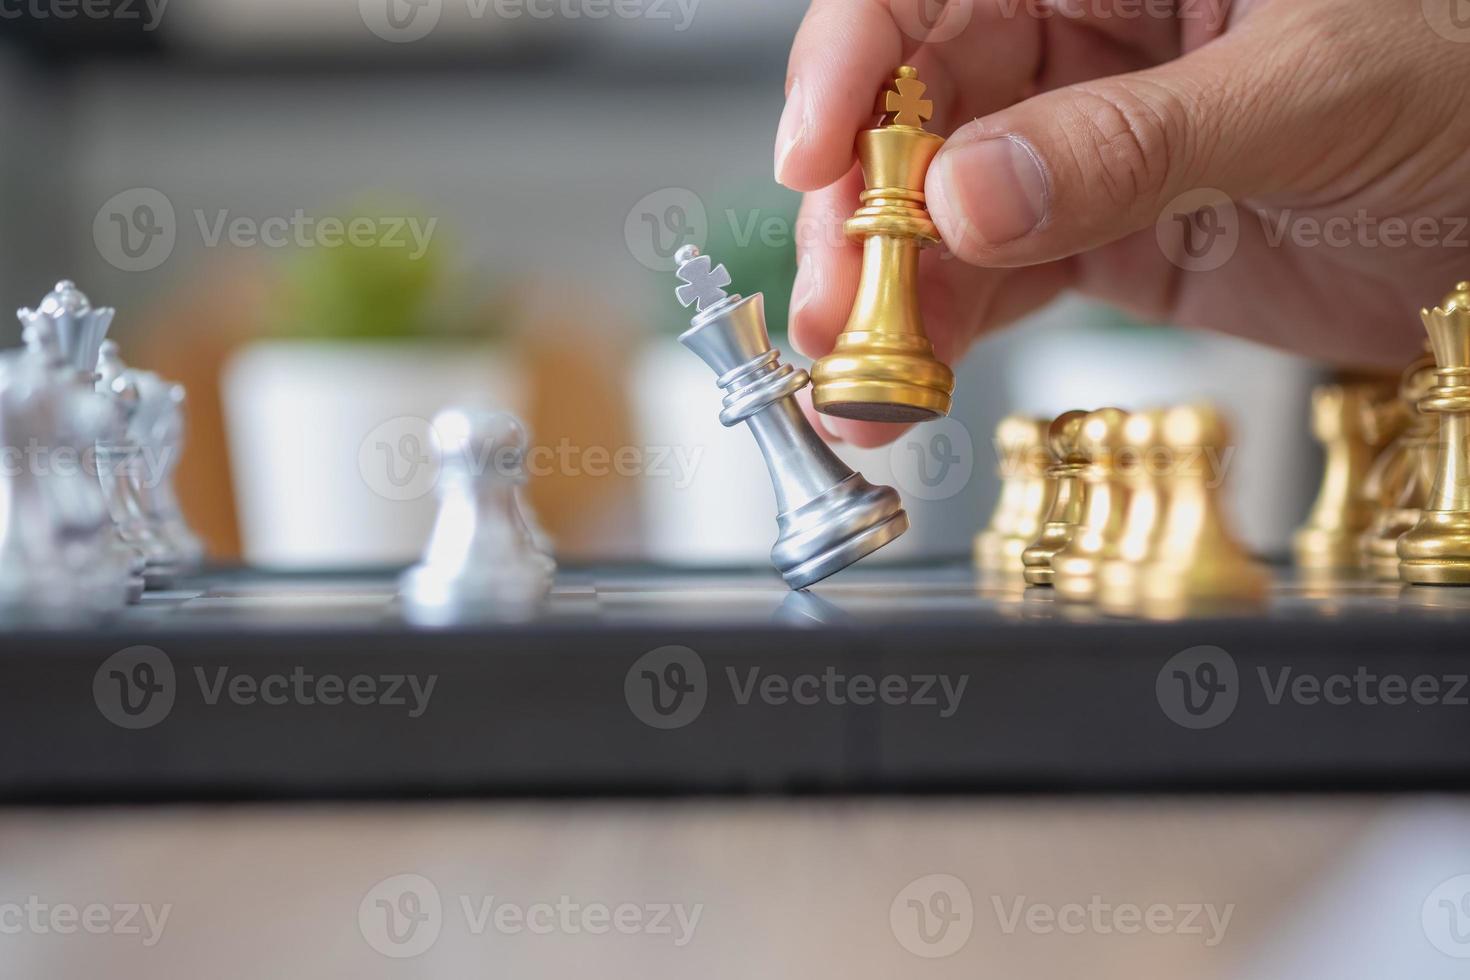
(792, 129)
(995, 186)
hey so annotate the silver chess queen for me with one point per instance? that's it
(828, 516)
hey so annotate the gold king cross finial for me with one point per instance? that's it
(904, 104)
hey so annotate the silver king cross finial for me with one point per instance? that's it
(703, 282)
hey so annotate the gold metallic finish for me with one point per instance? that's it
(1403, 476)
(1341, 417)
(1104, 507)
(883, 367)
(1066, 509)
(1196, 564)
(1025, 496)
(1436, 551)
(1141, 465)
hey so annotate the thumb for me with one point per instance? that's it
(1079, 167)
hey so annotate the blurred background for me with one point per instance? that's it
(328, 218)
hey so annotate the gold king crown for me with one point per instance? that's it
(883, 367)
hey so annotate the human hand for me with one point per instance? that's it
(1076, 131)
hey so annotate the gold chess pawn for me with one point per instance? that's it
(1403, 476)
(1025, 495)
(1065, 473)
(1141, 465)
(1436, 551)
(1196, 562)
(883, 367)
(1340, 515)
(1104, 506)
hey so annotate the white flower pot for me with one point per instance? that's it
(331, 449)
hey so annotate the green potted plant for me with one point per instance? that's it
(327, 414)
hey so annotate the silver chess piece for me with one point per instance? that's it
(160, 428)
(63, 338)
(828, 516)
(41, 553)
(123, 468)
(481, 563)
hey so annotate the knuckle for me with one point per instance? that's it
(1128, 139)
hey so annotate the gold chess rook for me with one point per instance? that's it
(883, 367)
(1437, 550)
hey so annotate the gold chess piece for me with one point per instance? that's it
(1104, 505)
(1065, 473)
(1436, 551)
(1340, 515)
(883, 367)
(1403, 475)
(1141, 465)
(1025, 495)
(1196, 562)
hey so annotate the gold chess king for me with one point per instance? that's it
(883, 368)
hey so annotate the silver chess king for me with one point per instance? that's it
(828, 516)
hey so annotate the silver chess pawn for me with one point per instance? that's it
(63, 338)
(828, 516)
(124, 468)
(481, 563)
(161, 430)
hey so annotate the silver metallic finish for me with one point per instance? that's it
(63, 338)
(481, 563)
(828, 516)
(123, 467)
(159, 428)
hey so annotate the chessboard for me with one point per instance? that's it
(637, 680)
